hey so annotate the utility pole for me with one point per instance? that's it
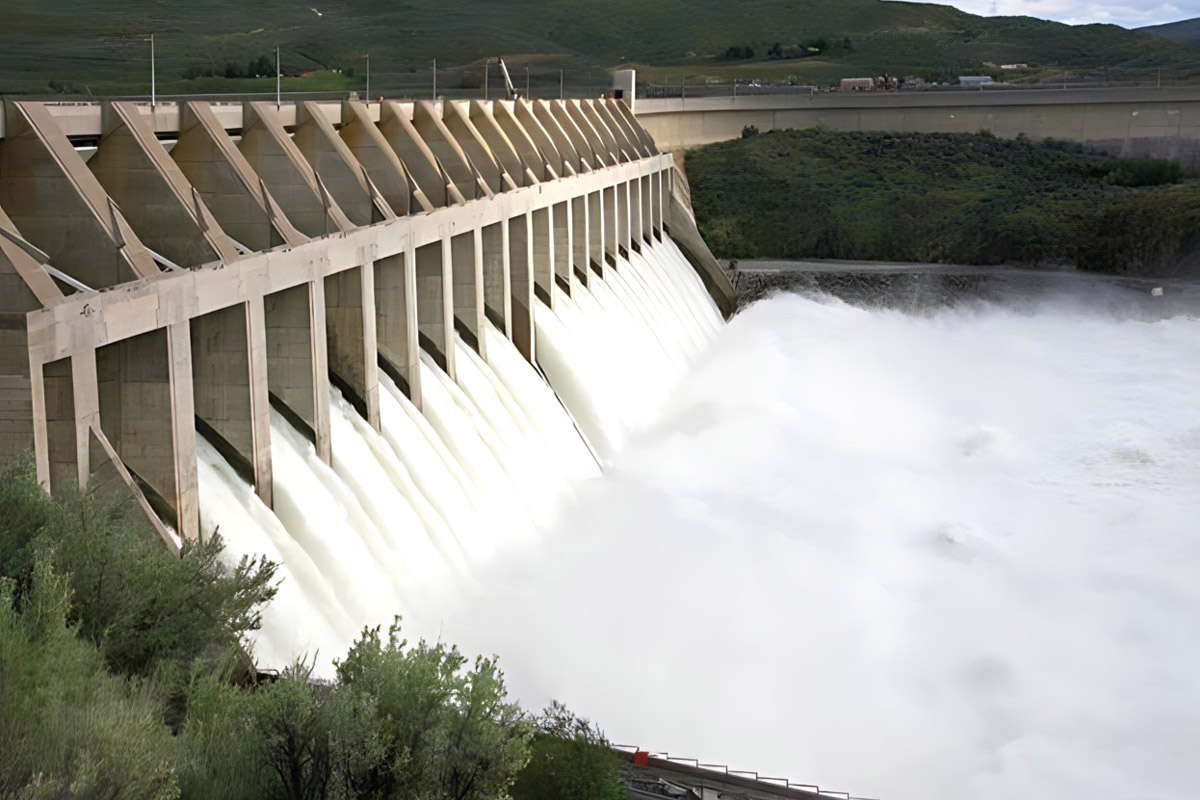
(368, 78)
(526, 83)
(278, 76)
(153, 86)
(487, 71)
(435, 80)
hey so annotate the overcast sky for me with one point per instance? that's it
(1129, 13)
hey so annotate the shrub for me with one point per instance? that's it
(570, 758)
(749, 131)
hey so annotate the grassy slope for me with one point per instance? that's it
(955, 198)
(1186, 31)
(100, 44)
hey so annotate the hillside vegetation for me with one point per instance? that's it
(949, 198)
(1187, 30)
(215, 45)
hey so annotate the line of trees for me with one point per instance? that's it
(123, 674)
(948, 198)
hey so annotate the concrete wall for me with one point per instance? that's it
(305, 295)
(1130, 122)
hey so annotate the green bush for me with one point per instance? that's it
(69, 728)
(148, 609)
(570, 758)
(954, 198)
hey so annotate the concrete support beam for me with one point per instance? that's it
(377, 157)
(657, 179)
(350, 330)
(147, 413)
(466, 259)
(561, 222)
(260, 399)
(538, 167)
(481, 159)
(60, 207)
(227, 183)
(526, 118)
(624, 239)
(297, 361)
(153, 193)
(435, 304)
(396, 322)
(585, 112)
(520, 260)
(596, 231)
(579, 238)
(277, 161)
(418, 159)
(62, 447)
(647, 207)
(634, 188)
(610, 225)
(340, 173)
(583, 148)
(620, 129)
(620, 110)
(447, 151)
(502, 149)
(543, 119)
(497, 289)
(543, 255)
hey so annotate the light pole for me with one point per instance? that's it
(153, 86)
(368, 77)
(487, 67)
(278, 85)
(435, 80)
(526, 83)
(560, 84)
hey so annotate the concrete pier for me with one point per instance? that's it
(231, 261)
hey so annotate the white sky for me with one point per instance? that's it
(1129, 13)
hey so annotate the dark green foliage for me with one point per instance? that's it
(952, 198)
(748, 131)
(570, 758)
(437, 729)
(68, 727)
(148, 610)
(1135, 172)
(735, 53)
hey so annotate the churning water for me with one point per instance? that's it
(939, 551)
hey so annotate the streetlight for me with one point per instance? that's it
(368, 77)
(278, 87)
(435, 80)
(153, 87)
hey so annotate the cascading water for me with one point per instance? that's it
(403, 513)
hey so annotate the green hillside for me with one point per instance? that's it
(100, 47)
(1186, 31)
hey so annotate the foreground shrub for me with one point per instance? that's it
(570, 757)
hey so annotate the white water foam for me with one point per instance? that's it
(939, 556)
(409, 512)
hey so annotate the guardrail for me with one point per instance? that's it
(665, 760)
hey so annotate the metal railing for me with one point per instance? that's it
(724, 769)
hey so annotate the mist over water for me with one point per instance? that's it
(949, 551)
(937, 542)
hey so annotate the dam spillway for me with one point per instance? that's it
(243, 270)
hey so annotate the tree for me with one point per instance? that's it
(570, 758)
(441, 731)
(69, 729)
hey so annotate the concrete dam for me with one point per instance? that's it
(207, 267)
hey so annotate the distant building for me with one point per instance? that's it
(974, 80)
(1014, 66)
(858, 84)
